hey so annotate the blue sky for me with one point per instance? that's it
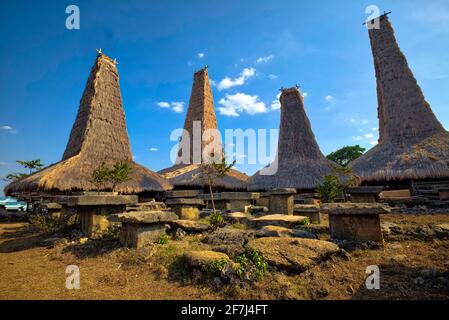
(257, 46)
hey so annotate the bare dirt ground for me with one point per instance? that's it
(33, 269)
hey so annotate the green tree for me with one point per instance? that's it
(14, 176)
(335, 183)
(32, 165)
(346, 154)
(213, 170)
(100, 176)
(120, 173)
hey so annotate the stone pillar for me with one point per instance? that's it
(282, 201)
(93, 210)
(310, 211)
(359, 222)
(238, 201)
(186, 209)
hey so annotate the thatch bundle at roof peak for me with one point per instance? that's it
(98, 135)
(300, 162)
(413, 145)
(187, 170)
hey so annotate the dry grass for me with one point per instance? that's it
(29, 270)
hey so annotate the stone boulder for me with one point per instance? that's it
(199, 259)
(143, 217)
(229, 236)
(293, 255)
(237, 217)
(281, 232)
(280, 220)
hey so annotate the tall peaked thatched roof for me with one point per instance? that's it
(200, 119)
(300, 163)
(412, 142)
(98, 134)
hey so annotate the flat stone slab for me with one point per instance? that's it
(185, 201)
(365, 190)
(182, 194)
(281, 232)
(355, 208)
(309, 208)
(207, 197)
(96, 200)
(294, 255)
(146, 206)
(51, 206)
(144, 217)
(199, 259)
(237, 217)
(282, 191)
(280, 220)
(239, 195)
(189, 225)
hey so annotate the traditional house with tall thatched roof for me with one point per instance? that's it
(299, 162)
(98, 134)
(413, 145)
(198, 139)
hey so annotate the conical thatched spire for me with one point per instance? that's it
(199, 120)
(98, 135)
(300, 163)
(412, 144)
(201, 111)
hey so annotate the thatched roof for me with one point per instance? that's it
(98, 134)
(186, 172)
(301, 165)
(413, 145)
(191, 176)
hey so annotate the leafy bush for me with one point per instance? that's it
(112, 233)
(305, 223)
(45, 223)
(251, 260)
(216, 220)
(163, 239)
(330, 189)
(216, 267)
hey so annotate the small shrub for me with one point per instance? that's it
(216, 220)
(45, 223)
(251, 261)
(259, 262)
(330, 189)
(216, 267)
(163, 239)
(305, 223)
(112, 233)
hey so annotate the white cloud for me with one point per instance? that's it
(264, 59)
(358, 138)
(375, 129)
(2, 163)
(8, 129)
(373, 143)
(153, 149)
(305, 94)
(228, 83)
(233, 105)
(177, 107)
(272, 76)
(330, 99)
(163, 104)
(276, 104)
(200, 55)
(368, 135)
